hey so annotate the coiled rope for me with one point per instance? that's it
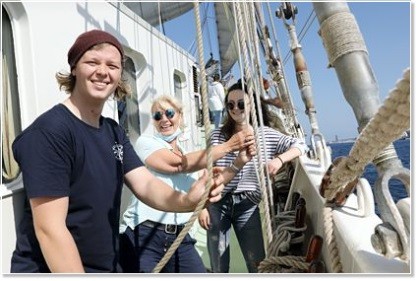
(286, 233)
(285, 264)
(343, 36)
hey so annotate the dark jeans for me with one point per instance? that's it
(235, 210)
(142, 249)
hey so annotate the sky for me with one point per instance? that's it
(385, 27)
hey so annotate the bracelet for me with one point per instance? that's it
(278, 156)
(234, 168)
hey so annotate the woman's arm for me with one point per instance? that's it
(56, 242)
(226, 174)
(165, 161)
(274, 165)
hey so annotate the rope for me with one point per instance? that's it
(206, 119)
(388, 124)
(343, 36)
(286, 233)
(285, 264)
(270, 201)
(266, 218)
(330, 241)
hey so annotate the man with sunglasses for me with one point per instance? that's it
(147, 233)
(216, 93)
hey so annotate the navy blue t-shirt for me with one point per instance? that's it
(61, 156)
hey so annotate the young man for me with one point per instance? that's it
(74, 163)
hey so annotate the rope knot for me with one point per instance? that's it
(337, 197)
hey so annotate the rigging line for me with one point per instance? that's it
(193, 47)
(248, 75)
(202, 202)
(260, 90)
(304, 27)
(276, 40)
(207, 27)
(237, 41)
(305, 31)
(160, 19)
(308, 24)
(280, 88)
(231, 20)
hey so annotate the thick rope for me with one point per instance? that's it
(388, 124)
(206, 119)
(330, 241)
(264, 209)
(343, 36)
(286, 234)
(269, 200)
(285, 264)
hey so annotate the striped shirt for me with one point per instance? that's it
(246, 179)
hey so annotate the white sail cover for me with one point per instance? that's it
(227, 40)
(154, 12)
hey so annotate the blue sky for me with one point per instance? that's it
(386, 30)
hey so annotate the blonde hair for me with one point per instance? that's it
(167, 101)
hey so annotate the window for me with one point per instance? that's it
(128, 108)
(10, 118)
(178, 87)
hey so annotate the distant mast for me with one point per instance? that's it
(336, 138)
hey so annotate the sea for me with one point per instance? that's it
(396, 187)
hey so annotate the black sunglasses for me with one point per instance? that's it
(159, 114)
(240, 105)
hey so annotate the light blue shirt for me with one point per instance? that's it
(138, 212)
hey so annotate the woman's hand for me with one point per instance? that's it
(204, 219)
(273, 166)
(241, 140)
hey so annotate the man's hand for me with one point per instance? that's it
(197, 190)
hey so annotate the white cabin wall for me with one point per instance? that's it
(43, 33)
(48, 45)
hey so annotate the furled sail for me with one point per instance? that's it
(159, 12)
(227, 40)
(154, 12)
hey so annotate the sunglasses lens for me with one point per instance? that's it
(241, 105)
(157, 116)
(170, 113)
(230, 105)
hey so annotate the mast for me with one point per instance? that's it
(359, 87)
(275, 67)
(347, 53)
(288, 11)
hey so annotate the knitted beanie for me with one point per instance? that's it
(87, 40)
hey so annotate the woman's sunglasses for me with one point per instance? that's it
(240, 105)
(169, 113)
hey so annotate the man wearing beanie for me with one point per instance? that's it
(74, 162)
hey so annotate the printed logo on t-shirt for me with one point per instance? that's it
(118, 151)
